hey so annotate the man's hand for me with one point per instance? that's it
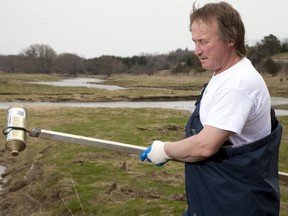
(155, 153)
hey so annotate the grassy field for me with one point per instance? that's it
(54, 178)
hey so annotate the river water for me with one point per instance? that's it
(180, 105)
(82, 82)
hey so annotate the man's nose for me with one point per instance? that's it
(198, 50)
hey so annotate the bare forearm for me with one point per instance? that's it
(187, 150)
(198, 147)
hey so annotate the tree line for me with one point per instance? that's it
(41, 58)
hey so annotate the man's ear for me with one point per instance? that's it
(231, 43)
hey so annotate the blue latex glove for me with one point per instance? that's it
(155, 153)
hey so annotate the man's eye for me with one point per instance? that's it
(203, 42)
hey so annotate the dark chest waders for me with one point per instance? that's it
(235, 181)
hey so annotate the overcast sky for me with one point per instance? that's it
(91, 28)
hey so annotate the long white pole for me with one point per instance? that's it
(87, 141)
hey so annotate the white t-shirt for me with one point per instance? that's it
(238, 100)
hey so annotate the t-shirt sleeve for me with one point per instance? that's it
(230, 110)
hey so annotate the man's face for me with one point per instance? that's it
(213, 53)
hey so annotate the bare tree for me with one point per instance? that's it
(42, 55)
(90, 66)
(69, 63)
(10, 63)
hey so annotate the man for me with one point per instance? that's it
(231, 149)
